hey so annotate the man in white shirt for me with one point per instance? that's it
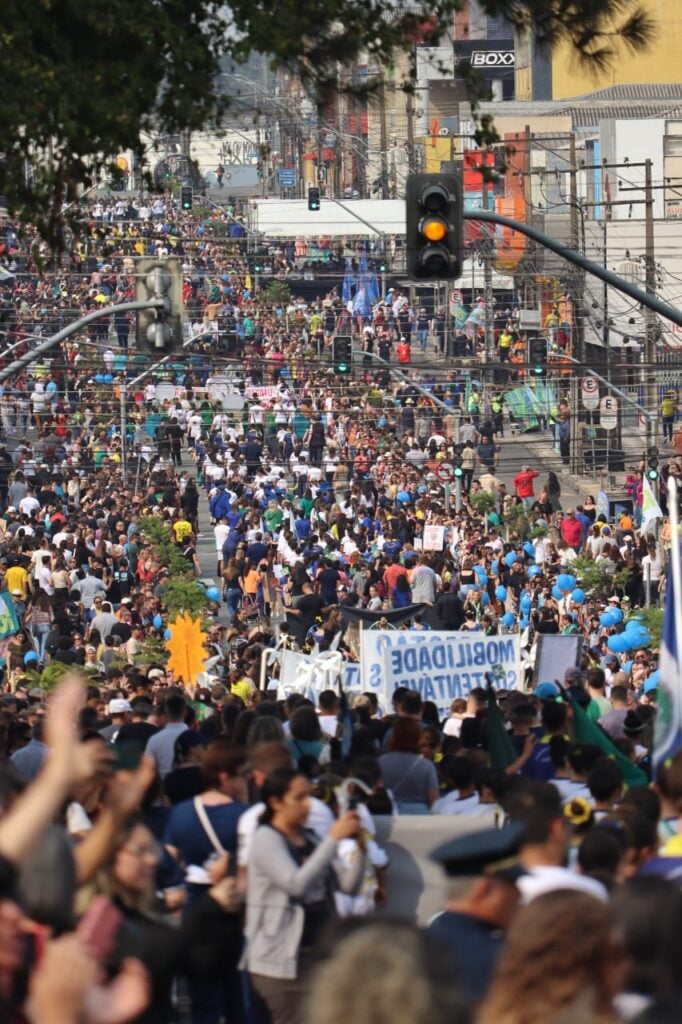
(43, 575)
(220, 532)
(538, 807)
(328, 712)
(29, 504)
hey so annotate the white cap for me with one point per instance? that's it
(118, 706)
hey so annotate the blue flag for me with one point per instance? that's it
(668, 725)
(349, 283)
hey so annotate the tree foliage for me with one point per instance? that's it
(181, 592)
(84, 79)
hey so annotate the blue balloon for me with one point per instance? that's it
(617, 643)
(99, 378)
(404, 497)
(485, 600)
(606, 620)
(529, 549)
(526, 603)
(494, 566)
(483, 579)
(566, 582)
(29, 657)
(508, 620)
(578, 596)
(653, 680)
(501, 593)
(108, 378)
(626, 666)
(213, 594)
(524, 623)
(157, 621)
(633, 623)
(533, 571)
(510, 558)
(557, 593)
(167, 635)
(616, 614)
(478, 569)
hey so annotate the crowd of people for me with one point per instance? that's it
(208, 846)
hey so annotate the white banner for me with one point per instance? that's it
(433, 538)
(311, 674)
(439, 665)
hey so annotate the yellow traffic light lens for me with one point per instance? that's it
(434, 229)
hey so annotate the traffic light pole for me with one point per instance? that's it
(647, 299)
(49, 343)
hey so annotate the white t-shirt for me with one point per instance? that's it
(28, 505)
(451, 804)
(545, 878)
(220, 532)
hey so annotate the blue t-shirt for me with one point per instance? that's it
(185, 831)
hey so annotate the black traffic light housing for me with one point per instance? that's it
(342, 354)
(433, 215)
(458, 471)
(313, 198)
(537, 356)
(652, 464)
(186, 197)
(159, 331)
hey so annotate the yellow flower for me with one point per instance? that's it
(578, 811)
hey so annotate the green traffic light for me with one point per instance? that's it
(652, 474)
(538, 370)
(343, 368)
(458, 471)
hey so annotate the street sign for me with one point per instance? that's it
(287, 177)
(589, 392)
(233, 403)
(165, 391)
(608, 413)
(445, 471)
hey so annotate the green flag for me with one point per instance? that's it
(500, 747)
(587, 731)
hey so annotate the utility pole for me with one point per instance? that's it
(578, 276)
(606, 333)
(383, 138)
(650, 325)
(488, 322)
(409, 109)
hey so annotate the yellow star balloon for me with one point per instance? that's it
(186, 648)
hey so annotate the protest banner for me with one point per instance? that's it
(433, 538)
(311, 674)
(439, 665)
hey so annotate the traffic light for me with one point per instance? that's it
(342, 353)
(652, 464)
(313, 198)
(186, 197)
(458, 471)
(257, 266)
(159, 331)
(382, 265)
(433, 217)
(537, 356)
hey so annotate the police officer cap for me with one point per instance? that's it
(492, 852)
